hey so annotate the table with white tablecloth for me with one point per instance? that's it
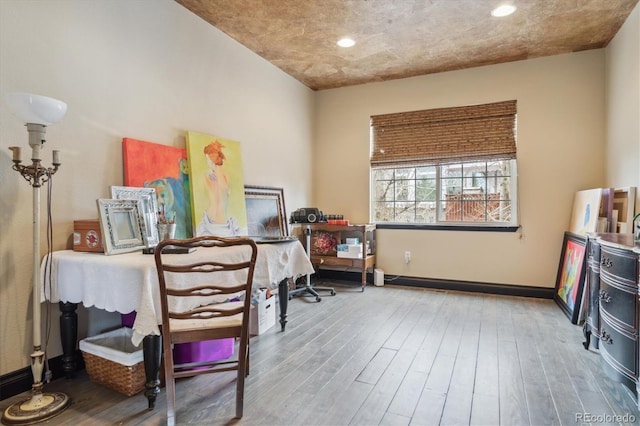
(129, 282)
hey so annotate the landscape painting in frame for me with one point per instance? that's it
(164, 168)
(571, 275)
(266, 215)
(217, 186)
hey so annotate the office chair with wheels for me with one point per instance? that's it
(308, 288)
(205, 294)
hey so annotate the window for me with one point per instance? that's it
(449, 166)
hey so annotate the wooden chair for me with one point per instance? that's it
(203, 298)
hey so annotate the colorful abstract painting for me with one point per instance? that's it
(152, 165)
(217, 186)
(571, 275)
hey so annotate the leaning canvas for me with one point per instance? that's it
(217, 186)
(152, 165)
(586, 207)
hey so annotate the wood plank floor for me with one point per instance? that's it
(392, 356)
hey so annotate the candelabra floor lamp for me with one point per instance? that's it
(37, 112)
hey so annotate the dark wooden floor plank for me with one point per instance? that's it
(485, 409)
(406, 398)
(392, 356)
(429, 408)
(513, 405)
(374, 370)
(391, 419)
(486, 377)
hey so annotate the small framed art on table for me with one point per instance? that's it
(148, 209)
(266, 216)
(571, 275)
(122, 225)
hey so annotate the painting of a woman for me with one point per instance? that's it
(217, 186)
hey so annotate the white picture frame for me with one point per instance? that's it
(148, 209)
(122, 226)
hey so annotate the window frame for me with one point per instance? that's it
(511, 226)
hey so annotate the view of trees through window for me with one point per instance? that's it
(478, 193)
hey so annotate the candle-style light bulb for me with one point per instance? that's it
(16, 153)
(56, 157)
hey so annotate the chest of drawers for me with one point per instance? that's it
(612, 311)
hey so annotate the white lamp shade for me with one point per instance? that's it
(36, 109)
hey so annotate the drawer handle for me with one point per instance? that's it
(604, 296)
(606, 338)
(605, 261)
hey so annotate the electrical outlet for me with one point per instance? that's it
(407, 257)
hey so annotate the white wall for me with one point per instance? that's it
(149, 69)
(623, 105)
(146, 69)
(560, 142)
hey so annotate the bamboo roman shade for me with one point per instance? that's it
(444, 135)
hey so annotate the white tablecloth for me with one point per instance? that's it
(129, 282)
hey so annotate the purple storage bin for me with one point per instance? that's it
(211, 350)
(128, 319)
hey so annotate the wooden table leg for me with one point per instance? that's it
(151, 350)
(68, 337)
(283, 298)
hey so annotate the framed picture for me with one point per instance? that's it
(625, 206)
(217, 186)
(584, 215)
(571, 275)
(164, 168)
(266, 215)
(122, 225)
(148, 209)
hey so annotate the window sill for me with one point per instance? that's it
(430, 227)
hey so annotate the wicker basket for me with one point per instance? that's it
(111, 360)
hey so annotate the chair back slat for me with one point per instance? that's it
(205, 290)
(211, 279)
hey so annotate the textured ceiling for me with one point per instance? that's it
(402, 38)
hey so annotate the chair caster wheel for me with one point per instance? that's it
(333, 293)
(318, 299)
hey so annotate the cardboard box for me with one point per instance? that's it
(355, 249)
(262, 316)
(350, 255)
(87, 235)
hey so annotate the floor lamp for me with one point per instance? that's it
(37, 112)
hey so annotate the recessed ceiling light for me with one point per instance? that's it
(346, 42)
(503, 10)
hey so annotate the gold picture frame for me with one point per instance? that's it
(266, 214)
